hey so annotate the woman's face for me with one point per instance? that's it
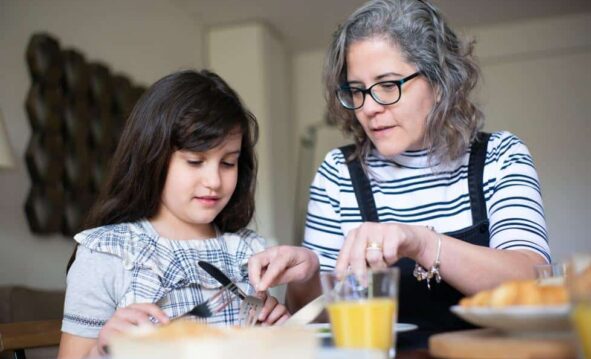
(394, 128)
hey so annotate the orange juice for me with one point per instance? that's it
(364, 323)
(581, 317)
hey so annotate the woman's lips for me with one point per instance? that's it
(382, 131)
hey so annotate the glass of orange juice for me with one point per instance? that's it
(579, 286)
(363, 311)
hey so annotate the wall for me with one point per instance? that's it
(144, 39)
(536, 85)
(253, 59)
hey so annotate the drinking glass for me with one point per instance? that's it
(579, 287)
(552, 273)
(363, 311)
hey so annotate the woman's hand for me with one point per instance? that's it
(128, 317)
(273, 313)
(280, 265)
(379, 245)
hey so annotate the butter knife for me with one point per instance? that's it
(307, 313)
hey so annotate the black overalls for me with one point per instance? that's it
(429, 309)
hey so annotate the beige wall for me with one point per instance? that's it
(536, 85)
(253, 59)
(144, 39)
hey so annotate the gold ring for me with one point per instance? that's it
(374, 246)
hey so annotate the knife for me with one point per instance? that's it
(218, 275)
(308, 312)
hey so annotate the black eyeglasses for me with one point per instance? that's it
(384, 93)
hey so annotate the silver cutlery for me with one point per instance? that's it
(250, 306)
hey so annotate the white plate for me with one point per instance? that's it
(323, 329)
(526, 319)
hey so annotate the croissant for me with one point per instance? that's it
(524, 292)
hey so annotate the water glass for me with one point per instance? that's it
(363, 311)
(552, 273)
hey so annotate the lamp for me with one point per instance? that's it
(6, 159)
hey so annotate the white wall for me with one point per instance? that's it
(536, 85)
(253, 59)
(143, 39)
(537, 77)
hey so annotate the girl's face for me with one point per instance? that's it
(401, 126)
(198, 186)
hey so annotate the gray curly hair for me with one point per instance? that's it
(422, 34)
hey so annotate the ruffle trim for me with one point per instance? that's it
(159, 265)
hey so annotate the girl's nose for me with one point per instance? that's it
(212, 178)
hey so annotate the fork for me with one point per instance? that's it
(214, 304)
(250, 307)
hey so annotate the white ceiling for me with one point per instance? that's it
(308, 24)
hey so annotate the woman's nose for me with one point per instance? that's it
(371, 106)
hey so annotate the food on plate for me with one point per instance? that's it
(184, 339)
(523, 292)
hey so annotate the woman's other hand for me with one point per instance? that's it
(128, 317)
(379, 245)
(280, 265)
(273, 313)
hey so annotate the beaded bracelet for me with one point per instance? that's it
(420, 273)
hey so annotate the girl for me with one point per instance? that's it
(181, 189)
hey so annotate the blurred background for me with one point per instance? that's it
(535, 57)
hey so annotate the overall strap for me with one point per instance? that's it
(475, 175)
(361, 186)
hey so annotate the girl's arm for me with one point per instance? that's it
(74, 347)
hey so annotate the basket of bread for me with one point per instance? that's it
(518, 306)
(184, 339)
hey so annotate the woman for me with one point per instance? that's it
(421, 188)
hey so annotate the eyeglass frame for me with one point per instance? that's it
(368, 91)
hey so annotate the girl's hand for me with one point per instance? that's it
(379, 245)
(273, 313)
(129, 317)
(280, 265)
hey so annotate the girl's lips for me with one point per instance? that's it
(209, 201)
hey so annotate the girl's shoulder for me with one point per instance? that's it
(244, 239)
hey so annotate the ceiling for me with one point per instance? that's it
(308, 24)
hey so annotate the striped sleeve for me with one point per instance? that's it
(323, 233)
(516, 211)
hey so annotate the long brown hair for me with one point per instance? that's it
(187, 110)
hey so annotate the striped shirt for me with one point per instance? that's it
(118, 265)
(409, 189)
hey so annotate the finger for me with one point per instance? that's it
(277, 312)
(276, 272)
(390, 250)
(343, 260)
(375, 258)
(152, 310)
(358, 260)
(256, 265)
(283, 318)
(270, 303)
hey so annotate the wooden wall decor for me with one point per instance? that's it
(76, 111)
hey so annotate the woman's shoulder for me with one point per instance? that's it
(504, 143)
(500, 138)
